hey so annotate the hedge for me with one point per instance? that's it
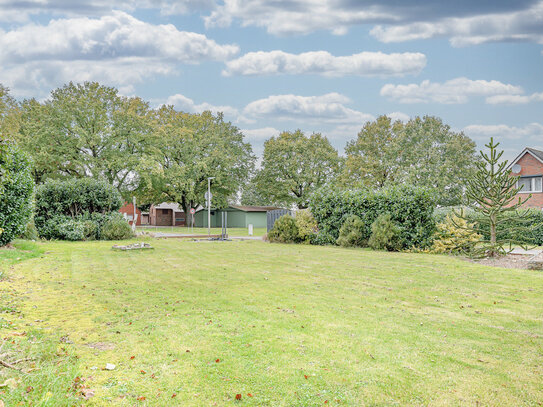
(410, 207)
(78, 209)
(16, 193)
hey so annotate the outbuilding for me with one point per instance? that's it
(238, 216)
(166, 214)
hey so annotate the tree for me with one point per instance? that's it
(294, 166)
(423, 151)
(10, 114)
(492, 193)
(16, 189)
(186, 149)
(86, 130)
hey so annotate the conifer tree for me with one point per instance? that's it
(491, 193)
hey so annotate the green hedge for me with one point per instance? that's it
(411, 208)
(16, 190)
(78, 209)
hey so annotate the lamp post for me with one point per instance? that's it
(209, 205)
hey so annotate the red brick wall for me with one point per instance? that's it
(531, 166)
(128, 208)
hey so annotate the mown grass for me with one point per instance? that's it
(195, 323)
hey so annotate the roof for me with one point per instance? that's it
(537, 154)
(244, 208)
(248, 208)
(168, 205)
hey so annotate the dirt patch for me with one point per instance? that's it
(101, 345)
(9, 246)
(511, 261)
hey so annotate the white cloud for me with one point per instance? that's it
(328, 108)
(261, 134)
(450, 92)
(324, 63)
(399, 116)
(515, 99)
(517, 26)
(185, 104)
(530, 133)
(13, 10)
(118, 49)
(464, 22)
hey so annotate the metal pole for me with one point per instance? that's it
(209, 205)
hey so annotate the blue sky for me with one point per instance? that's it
(320, 65)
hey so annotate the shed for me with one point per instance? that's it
(239, 216)
(166, 214)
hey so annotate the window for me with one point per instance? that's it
(530, 184)
(165, 211)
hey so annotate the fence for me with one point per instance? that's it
(276, 214)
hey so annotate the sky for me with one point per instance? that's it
(323, 66)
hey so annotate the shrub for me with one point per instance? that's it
(454, 236)
(16, 189)
(75, 209)
(410, 207)
(306, 224)
(116, 228)
(385, 234)
(284, 230)
(352, 232)
(30, 232)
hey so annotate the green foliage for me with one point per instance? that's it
(30, 232)
(186, 150)
(423, 152)
(16, 191)
(76, 209)
(116, 228)
(294, 166)
(10, 115)
(410, 207)
(492, 193)
(306, 224)
(352, 232)
(86, 130)
(385, 235)
(284, 230)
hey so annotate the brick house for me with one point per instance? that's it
(128, 211)
(529, 165)
(166, 214)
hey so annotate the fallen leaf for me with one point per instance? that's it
(18, 333)
(305, 376)
(87, 393)
(29, 389)
(238, 396)
(217, 360)
(141, 398)
(173, 395)
(132, 357)
(143, 371)
(249, 394)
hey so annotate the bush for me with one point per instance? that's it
(352, 232)
(306, 224)
(385, 235)
(454, 236)
(30, 232)
(116, 228)
(75, 209)
(284, 230)
(410, 207)
(16, 189)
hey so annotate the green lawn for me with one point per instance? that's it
(195, 323)
(202, 231)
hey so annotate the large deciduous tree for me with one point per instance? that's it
(86, 130)
(186, 149)
(10, 114)
(423, 151)
(294, 166)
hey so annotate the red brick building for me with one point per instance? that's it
(529, 165)
(166, 214)
(128, 211)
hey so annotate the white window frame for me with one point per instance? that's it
(532, 182)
